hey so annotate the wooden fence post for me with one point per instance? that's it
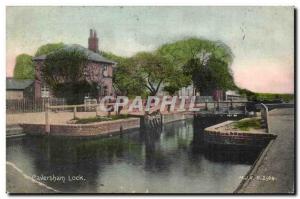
(96, 110)
(47, 124)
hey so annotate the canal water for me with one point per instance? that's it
(170, 160)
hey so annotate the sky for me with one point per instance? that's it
(261, 38)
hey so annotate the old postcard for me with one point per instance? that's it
(150, 100)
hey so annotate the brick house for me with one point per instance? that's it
(98, 69)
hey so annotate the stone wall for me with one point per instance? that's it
(94, 129)
(221, 134)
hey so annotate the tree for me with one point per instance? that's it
(48, 48)
(205, 62)
(126, 78)
(211, 75)
(177, 81)
(24, 67)
(156, 72)
(180, 52)
(64, 72)
(153, 70)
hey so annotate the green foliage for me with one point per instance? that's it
(274, 96)
(180, 52)
(205, 62)
(126, 78)
(48, 48)
(24, 67)
(173, 66)
(215, 74)
(74, 92)
(252, 96)
(247, 124)
(156, 70)
(63, 71)
(176, 81)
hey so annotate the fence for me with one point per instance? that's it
(31, 105)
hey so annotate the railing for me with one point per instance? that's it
(222, 107)
(264, 116)
(31, 105)
(265, 108)
(277, 105)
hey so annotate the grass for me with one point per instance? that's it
(99, 119)
(246, 125)
(252, 96)
(271, 97)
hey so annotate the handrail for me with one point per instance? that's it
(265, 115)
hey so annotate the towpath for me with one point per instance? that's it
(274, 172)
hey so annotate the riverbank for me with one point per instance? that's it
(34, 124)
(274, 171)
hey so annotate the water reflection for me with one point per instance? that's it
(172, 159)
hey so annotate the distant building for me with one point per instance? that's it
(232, 95)
(19, 89)
(229, 95)
(99, 69)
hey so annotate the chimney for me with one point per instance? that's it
(93, 41)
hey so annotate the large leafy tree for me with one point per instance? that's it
(126, 78)
(180, 52)
(154, 70)
(64, 72)
(145, 74)
(210, 75)
(24, 67)
(48, 48)
(205, 62)
(157, 72)
(175, 65)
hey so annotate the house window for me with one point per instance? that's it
(105, 71)
(45, 91)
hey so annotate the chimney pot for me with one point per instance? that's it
(93, 41)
